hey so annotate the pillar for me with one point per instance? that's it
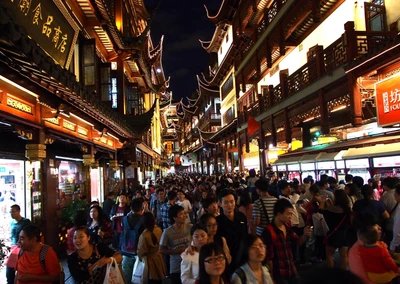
(355, 100)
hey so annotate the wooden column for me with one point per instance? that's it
(261, 149)
(283, 78)
(268, 54)
(120, 87)
(282, 44)
(306, 135)
(324, 113)
(273, 132)
(288, 131)
(355, 100)
(240, 154)
(271, 95)
(350, 39)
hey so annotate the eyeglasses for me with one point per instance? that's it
(260, 246)
(213, 260)
(212, 225)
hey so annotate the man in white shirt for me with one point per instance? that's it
(388, 198)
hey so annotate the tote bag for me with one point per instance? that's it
(113, 274)
(140, 271)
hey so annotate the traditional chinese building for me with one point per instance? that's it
(80, 88)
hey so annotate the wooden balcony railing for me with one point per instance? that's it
(209, 117)
(351, 45)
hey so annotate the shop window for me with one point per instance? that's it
(105, 81)
(89, 59)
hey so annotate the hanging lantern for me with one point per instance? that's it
(114, 165)
(88, 159)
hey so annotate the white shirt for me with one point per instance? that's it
(189, 268)
(294, 220)
(186, 206)
(396, 229)
(250, 277)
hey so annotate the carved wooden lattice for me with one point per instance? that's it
(277, 94)
(341, 101)
(302, 77)
(295, 120)
(334, 55)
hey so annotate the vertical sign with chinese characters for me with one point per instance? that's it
(46, 24)
(387, 94)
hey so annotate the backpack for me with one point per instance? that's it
(42, 259)
(272, 232)
(130, 237)
(241, 274)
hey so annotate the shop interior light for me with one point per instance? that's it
(18, 86)
(309, 119)
(69, 159)
(5, 123)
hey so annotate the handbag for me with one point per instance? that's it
(334, 230)
(113, 273)
(140, 271)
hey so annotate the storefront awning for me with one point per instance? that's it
(287, 160)
(309, 158)
(326, 156)
(373, 151)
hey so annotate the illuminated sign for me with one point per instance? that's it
(387, 93)
(82, 131)
(19, 105)
(68, 125)
(110, 143)
(114, 92)
(46, 24)
(55, 121)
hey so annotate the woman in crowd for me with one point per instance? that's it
(88, 263)
(252, 256)
(246, 207)
(99, 227)
(209, 221)
(190, 262)
(212, 265)
(337, 217)
(352, 192)
(148, 247)
(372, 183)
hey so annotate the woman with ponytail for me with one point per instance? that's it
(149, 247)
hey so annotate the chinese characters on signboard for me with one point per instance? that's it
(388, 101)
(45, 24)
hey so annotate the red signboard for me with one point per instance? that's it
(387, 93)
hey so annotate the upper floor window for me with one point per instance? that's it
(375, 16)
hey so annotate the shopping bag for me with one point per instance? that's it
(12, 259)
(140, 271)
(113, 273)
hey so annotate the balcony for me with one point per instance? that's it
(146, 139)
(192, 134)
(351, 45)
(209, 119)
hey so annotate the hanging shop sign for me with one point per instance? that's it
(387, 93)
(44, 22)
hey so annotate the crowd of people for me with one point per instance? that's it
(234, 228)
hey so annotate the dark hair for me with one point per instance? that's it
(80, 218)
(171, 195)
(208, 250)
(86, 231)
(314, 189)
(101, 218)
(342, 200)
(149, 223)
(374, 183)
(173, 212)
(245, 199)
(16, 207)
(358, 181)
(198, 227)
(252, 173)
(367, 191)
(369, 235)
(281, 205)
(245, 244)
(324, 177)
(111, 194)
(282, 184)
(353, 190)
(137, 205)
(306, 180)
(205, 217)
(159, 190)
(390, 182)
(331, 180)
(32, 231)
(207, 202)
(262, 184)
(226, 192)
(348, 177)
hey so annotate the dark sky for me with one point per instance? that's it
(183, 23)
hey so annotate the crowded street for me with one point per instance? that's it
(199, 142)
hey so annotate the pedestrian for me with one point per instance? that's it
(118, 211)
(99, 226)
(108, 204)
(88, 263)
(212, 265)
(30, 268)
(17, 224)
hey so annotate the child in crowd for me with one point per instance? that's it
(377, 262)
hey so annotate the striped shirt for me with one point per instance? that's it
(258, 212)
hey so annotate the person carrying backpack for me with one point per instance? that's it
(132, 228)
(37, 262)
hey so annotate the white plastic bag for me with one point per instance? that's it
(113, 273)
(140, 271)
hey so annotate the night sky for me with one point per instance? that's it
(183, 23)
